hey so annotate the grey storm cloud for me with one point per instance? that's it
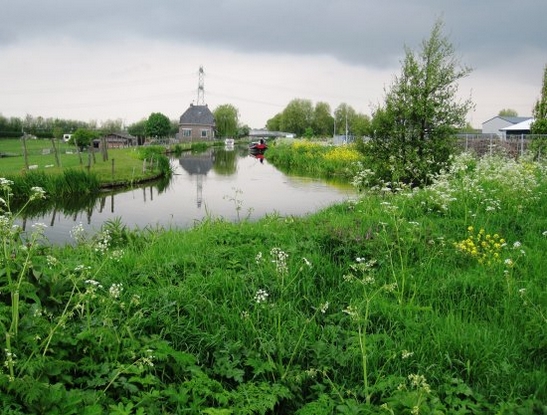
(359, 32)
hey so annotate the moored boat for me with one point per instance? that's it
(258, 146)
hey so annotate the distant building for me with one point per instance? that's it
(519, 128)
(496, 124)
(197, 124)
(116, 140)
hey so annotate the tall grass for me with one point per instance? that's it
(390, 303)
(313, 158)
(68, 183)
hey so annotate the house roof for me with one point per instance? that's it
(120, 135)
(198, 114)
(197, 164)
(512, 120)
(521, 126)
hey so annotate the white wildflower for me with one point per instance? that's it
(261, 296)
(78, 233)
(405, 354)
(5, 184)
(324, 307)
(419, 382)
(351, 311)
(280, 260)
(52, 261)
(117, 255)
(115, 290)
(37, 193)
(39, 227)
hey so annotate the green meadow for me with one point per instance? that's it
(402, 301)
(62, 171)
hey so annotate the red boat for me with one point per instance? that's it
(259, 146)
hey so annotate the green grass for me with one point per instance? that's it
(368, 306)
(124, 165)
(78, 175)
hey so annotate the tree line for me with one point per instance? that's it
(411, 135)
(304, 119)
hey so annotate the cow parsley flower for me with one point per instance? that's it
(261, 296)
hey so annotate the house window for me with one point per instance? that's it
(187, 132)
(204, 133)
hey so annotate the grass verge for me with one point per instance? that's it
(420, 301)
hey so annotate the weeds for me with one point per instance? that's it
(404, 301)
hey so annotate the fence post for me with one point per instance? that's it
(57, 161)
(25, 150)
(112, 169)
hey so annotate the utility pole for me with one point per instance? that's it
(201, 88)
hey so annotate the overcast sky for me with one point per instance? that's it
(124, 59)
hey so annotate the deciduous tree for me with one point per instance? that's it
(344, 116)
(539, 126)
(322, 120)
(226, 120)
(274, 123)
(157, 125)
(82, 138)
(414, 130)
(138, 130)
(508, 112)
(297, 116)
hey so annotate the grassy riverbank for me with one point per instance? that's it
(316, 159)
(423, 301)
(73, 173)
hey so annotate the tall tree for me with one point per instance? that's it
(82, 138)
(138, 130)
(112, 126)
(274, 123)
(322, 120)
(360, 125)
(414, 131)
(297, 116)
(508, 112)
(344, 115)
(539, 126)
(226, 120)
(157, 125)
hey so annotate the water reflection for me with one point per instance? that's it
(222, 182)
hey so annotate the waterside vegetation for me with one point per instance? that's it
(403, 301)
(426, 295)
(64, 172)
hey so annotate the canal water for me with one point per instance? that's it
(226, 183)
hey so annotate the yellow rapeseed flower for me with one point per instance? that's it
(483, 246)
